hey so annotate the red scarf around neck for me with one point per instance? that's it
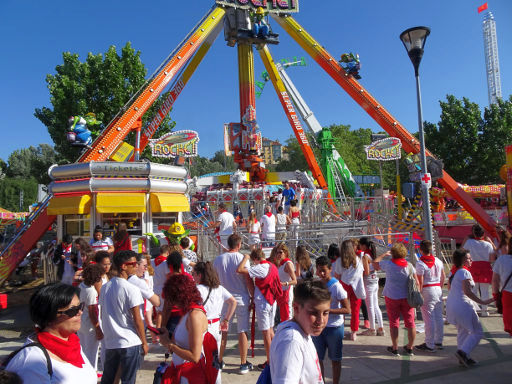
(455, 269)
(69, 350)
(284, 261)
(400, 262)
(429, 260)
(269, 214)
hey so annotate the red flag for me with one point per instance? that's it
(482, 8)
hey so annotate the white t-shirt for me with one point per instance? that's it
(259, 271)
(456, 291)
(117, 298)
(503, 267)
(284, 276)
(293, 357)
(31, 365)
(218, 296)
(479, 249)
(145, 291)
(352, 276)
(268, 227)
(159, 278)
(190, 256)
(226, 266)
(430, 275)
(226, 220)
(88, 296)
(101, 245)
(337, 293)
(396, 280)
(281, 222)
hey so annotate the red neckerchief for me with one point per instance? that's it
(284, 261)
(455, 269)
(264, 262)
(429, 260)
(269, 214)
(400, 262)
(196, 306)
(159, 260)
(68, 351)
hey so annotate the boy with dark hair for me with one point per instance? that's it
(331, 338)
(189, 256)
(123, 328)
(293, 357)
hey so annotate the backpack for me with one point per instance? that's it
(4, 364)
(414, 297)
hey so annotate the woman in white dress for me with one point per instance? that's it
(254, 230)
(460, 308)
(288, 279)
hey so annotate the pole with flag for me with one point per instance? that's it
(482, 8)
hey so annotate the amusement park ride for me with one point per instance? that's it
(245, 26)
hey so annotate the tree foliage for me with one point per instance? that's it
(471, 146)
(32, 162)
(10, 193)
(102, 84)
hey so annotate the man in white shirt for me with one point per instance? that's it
(137, 278)
(268, 227)
(242, 289)
(293, 357)
(226, 225)
(98, 243)
(125, 338)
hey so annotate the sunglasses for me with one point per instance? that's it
(280, 252)
(73, 311)
(132, 263)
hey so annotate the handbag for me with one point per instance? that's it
(499, 303)
(414, 297)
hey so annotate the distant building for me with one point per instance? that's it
(272, 151)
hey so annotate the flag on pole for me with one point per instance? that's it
(482, 8)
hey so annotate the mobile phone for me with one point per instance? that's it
(154, 330)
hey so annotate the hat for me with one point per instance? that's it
(176, 229)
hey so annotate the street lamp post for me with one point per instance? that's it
(414, 41)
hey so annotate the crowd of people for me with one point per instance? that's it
(119, 302)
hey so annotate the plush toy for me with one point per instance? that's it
(175, 233)
(79, 134)
(260, 27)
(351, 64)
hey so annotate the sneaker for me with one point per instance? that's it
(439, 346)
(463, 358)
(484, 314)
(380, 332)
(368, 332)
(424, 347)
(393, 351)
(263, 366)
(408, 351)
(472, 362)
(220, 364)
(245, 368)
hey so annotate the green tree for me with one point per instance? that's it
(10, 193)
(227, 162)
(43, 157)
(294, 159)
(471, 146)
(20, 163)
(102, 84)
(202, 166)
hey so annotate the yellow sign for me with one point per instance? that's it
(385, 149)
(180, 143)
(123, 152)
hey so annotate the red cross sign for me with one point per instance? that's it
(426, 180)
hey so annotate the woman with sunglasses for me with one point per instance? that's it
(288, 279)
(55, 310)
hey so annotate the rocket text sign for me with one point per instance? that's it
(272, 6)
(180, 143)
(385, 149)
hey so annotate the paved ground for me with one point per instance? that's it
(364, 361)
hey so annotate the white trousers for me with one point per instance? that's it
(432, 312)
(90, 346)
(372, 304)
(482, 291)
(469, 337)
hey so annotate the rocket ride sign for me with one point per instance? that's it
(272, 6)
(385, 149)
(179, 143)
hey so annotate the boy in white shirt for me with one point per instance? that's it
(282, 220)
(431, 276)
(331, 338)
(293, 357)
(267, 290)
(125, 338)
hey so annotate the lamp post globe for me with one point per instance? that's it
(414, 40)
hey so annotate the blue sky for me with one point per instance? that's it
(35, 33)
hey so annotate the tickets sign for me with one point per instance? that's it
(384, 150)
(179, 143)
(272, 6)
